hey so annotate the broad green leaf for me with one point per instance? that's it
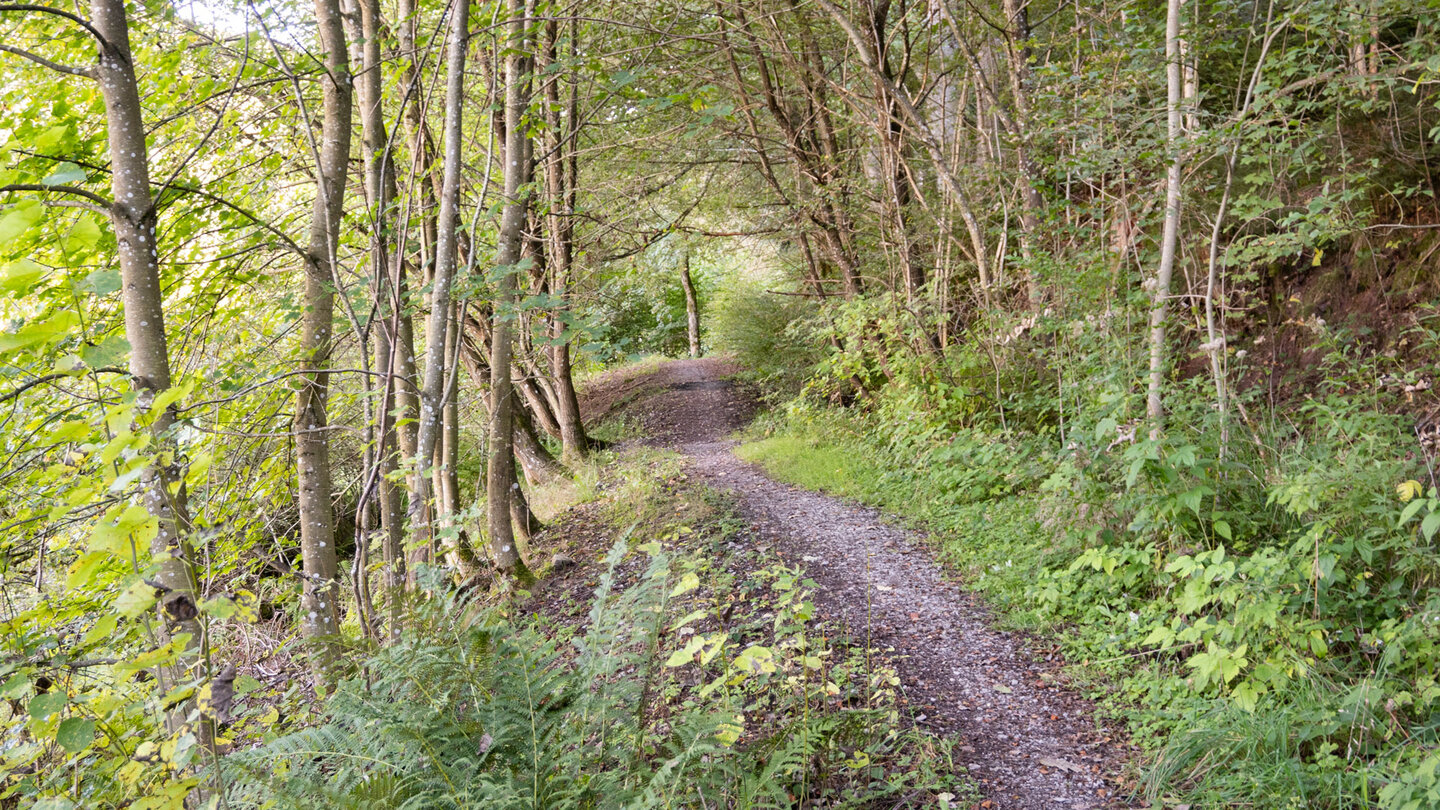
(1429, 525)
(42, 706)
(685, 654)
(19, 219)
(104, 628)
(755, 660)
(688, 583)
(101, 282)
(109, 352)
(1223, 529)
(65, 174)
(37, 332)
(83, 235)
(136, 599)
(75, 734)
(20, 276)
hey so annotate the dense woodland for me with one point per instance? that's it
(1130, 303)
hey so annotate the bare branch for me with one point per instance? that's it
(78, 192)
(40, 60)
(58, 12)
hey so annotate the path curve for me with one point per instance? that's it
(1029, 743)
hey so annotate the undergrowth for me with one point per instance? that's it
(1255, 599)
(699, 679)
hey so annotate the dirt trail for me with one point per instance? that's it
(1030, 743)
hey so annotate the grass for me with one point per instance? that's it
(993, 541)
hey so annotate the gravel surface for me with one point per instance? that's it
(1028, 741)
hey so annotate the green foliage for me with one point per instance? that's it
(1263, 605)
(655, 704)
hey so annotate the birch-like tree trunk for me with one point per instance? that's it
(320, 590)
(432, 390)
(133, 218)
(561, 181)
(1160, 289)
(380, 191)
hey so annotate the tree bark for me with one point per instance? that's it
(320, 616)
(432, 391)
(561, 182)
(500, 479)
(692, 307)
(1174, 81)
(133, 218)
(380, 195)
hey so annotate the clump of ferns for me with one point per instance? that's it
(495, 714)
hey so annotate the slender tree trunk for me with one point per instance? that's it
(500, 480)
(432, 391)
(1174, 81)
(133, 218)
(692, 307)
(320, 591)
(561, 181)
(539, 465)
(380, 194)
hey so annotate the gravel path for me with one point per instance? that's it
(1029, 742)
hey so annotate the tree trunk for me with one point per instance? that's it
(500, 479)
(1174, 81)
(320, 616)
(561, 181)
(380, 195)
(432, 391)
(692, 308)
(133, 218)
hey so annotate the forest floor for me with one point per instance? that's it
(1026, 738)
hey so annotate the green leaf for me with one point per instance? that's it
(1430, 524)
(1223, 529)
(136, 599)
(42, 706)
(109, 352)
(103, 629)
(686, 654)
(687, 583)
(100, 282)
(755, 660)
(65, 174)
(19, 219)
(15, 686)
(20, 276)
(75, 734)
(83, 235)
(37, 332)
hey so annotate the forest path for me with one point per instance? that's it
(1029, 742)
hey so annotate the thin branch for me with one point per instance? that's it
(59, 12)
(59, 375)
(79, 192)
(40, 60)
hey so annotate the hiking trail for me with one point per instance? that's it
(1028, 741)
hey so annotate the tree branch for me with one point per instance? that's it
(20, 389)
(40, 60)
(78, 192)
(58, 12)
